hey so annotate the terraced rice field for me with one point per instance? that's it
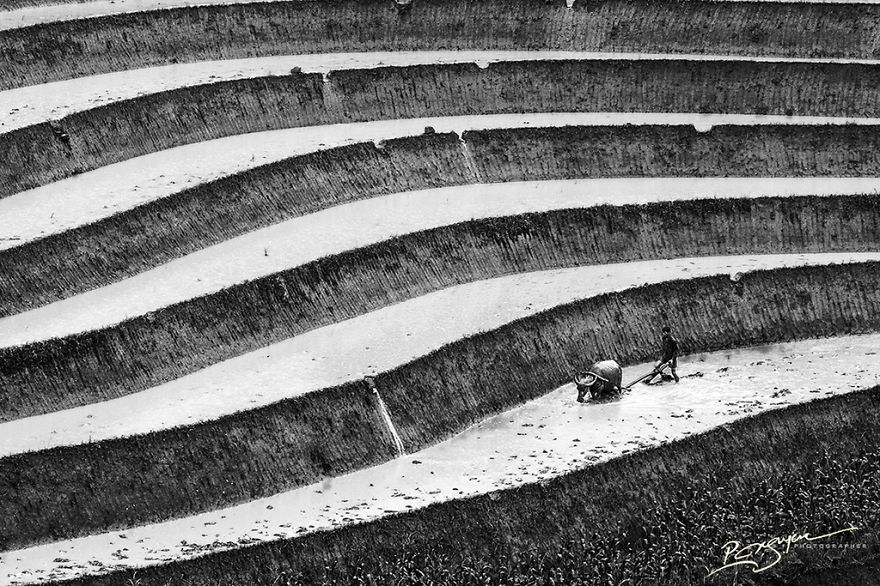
(217, 218)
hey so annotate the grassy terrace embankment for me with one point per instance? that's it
(36, 155)
(54, 51)
(173, 341)
(125, 244)
(77, 490)
(658, 516)
(16, 4)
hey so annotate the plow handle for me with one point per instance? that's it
(650, 375)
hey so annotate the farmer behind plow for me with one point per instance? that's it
(668, 355)
(603, 379)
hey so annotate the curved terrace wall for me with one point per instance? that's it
(55, 51)
(157, 232)
(16, 4)
(77, 490)
(125, 244)
(84, 141)
(174, 341)
(571, 152)
(623, 519)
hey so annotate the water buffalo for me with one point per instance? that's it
(603, 379)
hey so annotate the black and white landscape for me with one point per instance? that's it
(217, 218)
